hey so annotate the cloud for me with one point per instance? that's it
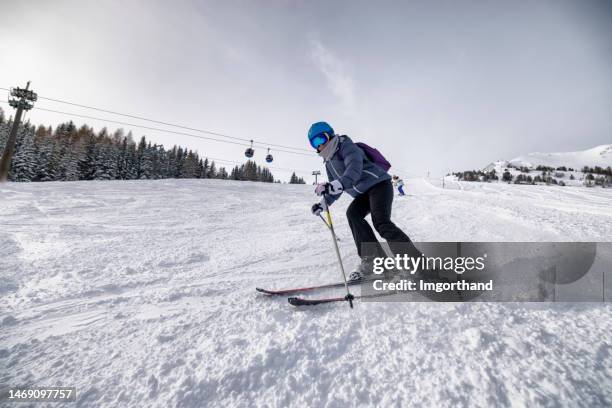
(338, 81)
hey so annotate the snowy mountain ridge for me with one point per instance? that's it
(596, 156)
(535, 168)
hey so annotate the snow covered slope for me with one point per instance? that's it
(597, 156)
(142, 294)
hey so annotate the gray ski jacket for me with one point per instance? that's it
(356, 172)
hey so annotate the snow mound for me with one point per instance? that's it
(597, 156)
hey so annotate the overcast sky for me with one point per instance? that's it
(435, 85)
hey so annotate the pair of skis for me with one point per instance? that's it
(300, 301)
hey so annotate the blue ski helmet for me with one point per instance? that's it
(319, 134)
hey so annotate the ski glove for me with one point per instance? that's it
(317, 208)
(333, 188)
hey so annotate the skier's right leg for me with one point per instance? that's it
(381, 201)
(362, 233)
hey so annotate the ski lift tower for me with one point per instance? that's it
(21, 99)
(316, 173)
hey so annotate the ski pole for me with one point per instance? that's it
(329, 223)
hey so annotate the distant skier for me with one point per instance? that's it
(399, 183)
(349, 169)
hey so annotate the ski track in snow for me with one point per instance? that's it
(142, 294)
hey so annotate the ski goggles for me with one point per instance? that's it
(319, 140)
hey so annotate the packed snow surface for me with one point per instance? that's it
(142, 293)
(597, 156)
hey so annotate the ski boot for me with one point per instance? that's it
(363, 270)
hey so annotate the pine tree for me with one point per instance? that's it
(296, 180)
(68, 168)
(212, 170)
(132, 162)
(180, 162)
(4, 132)
(86, 163)
(170, 163)
(222, 174)
(24, 159)
(191, 165)
(122, 160)
(105, 163)
(250, 171)
(205, 167)
(199, 169)
(158, 161)
(47, 160)
(145, 160)
(235, 175)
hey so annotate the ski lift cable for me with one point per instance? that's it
(209, 158)
(251, 141)
(161, 130)
(257, 144)
(166, 123)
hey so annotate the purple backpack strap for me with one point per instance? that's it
(371, 154)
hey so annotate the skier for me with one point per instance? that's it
(349, 169)
(399, 183)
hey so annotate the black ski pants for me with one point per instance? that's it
(377, 201)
